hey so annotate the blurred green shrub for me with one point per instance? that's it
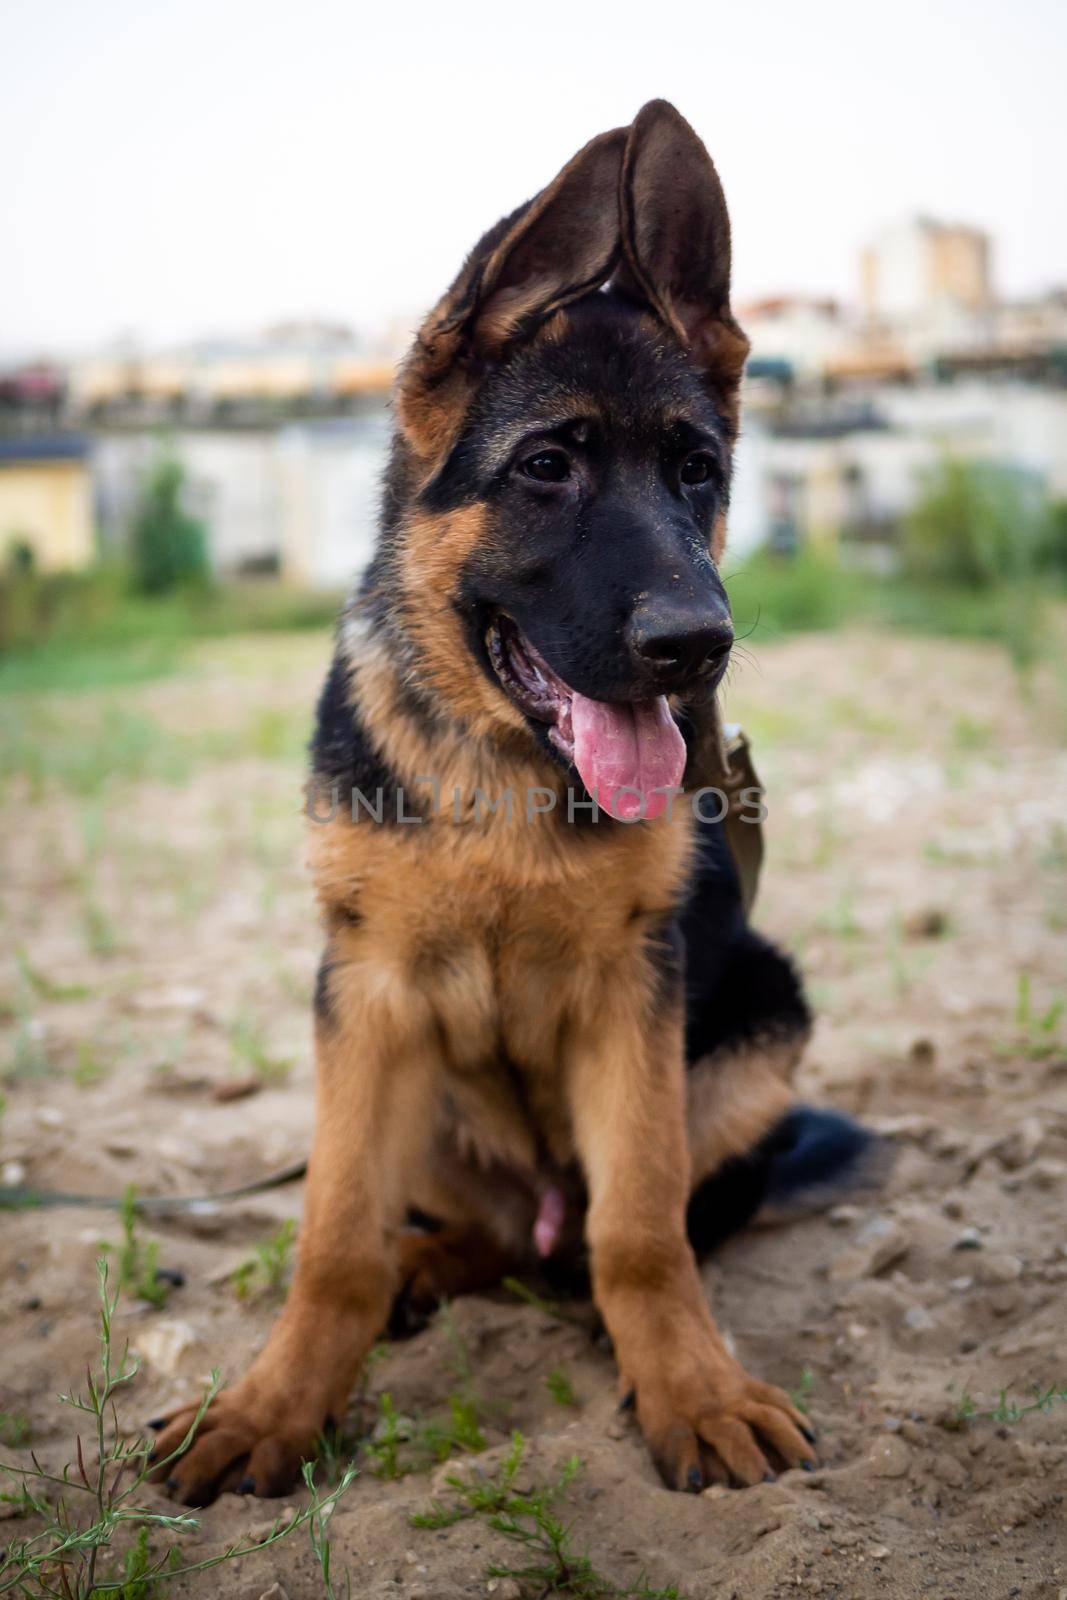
(168, 547)
(977, 524)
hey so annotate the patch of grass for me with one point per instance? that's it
(550, 1308)
(15, 1429)
(560, 1387)
(46, 988)
(248, 1042)
(137, 1260)
(527, 1518)
(266, 1270)
(801, 1395)
(88, 1069)
(1036, 1033)
(89, 1508)
(1010, 1412)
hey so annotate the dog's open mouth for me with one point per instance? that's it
(629, 754)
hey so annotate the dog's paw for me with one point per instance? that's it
(243, 1443)
(712, 1423)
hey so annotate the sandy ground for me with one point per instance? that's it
(917, 863)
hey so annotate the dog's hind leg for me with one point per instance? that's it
(754, 1148)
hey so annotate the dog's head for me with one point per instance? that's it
(566, 421)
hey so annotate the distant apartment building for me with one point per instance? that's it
(919, 265)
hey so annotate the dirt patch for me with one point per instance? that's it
(163, 943)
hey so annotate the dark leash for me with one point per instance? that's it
(23, 1197)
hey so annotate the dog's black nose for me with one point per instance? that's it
(678, 645)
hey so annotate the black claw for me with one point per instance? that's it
(809, 1466)
(152, 1457)
(695, 1480)
(173, 1485)
(628, 1400)
(770, 1477)
(330, 1425)
(156, 1423)
(247, 1485)
(809, 1436)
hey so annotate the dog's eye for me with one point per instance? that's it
(547, 466)
(696, 468)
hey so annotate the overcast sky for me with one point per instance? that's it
(206, 165)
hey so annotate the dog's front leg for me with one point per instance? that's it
(376, 1071)
(698, 1409)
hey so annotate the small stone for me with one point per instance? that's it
(890, 1458)
(504, 1589)
(923, 1052)
(716, 1491)
(952, 1207)
(996, 1268)
(275, 1592)
(1020, 1147)
(892, 1424)
(929, 922)
(969, 1239)
(164, 1343)
(947, 1470)
(960, 1285)
(843, 1216)
(880, 1243)
(1004, 1301)
(12, 1174)
(918, 1319)
(1047, 1173)
(968, 1344)
(878, 1552)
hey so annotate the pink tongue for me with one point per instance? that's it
(633, 748)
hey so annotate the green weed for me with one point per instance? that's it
(96, 1499)
(527, 1518)
(137, 1260)
(560, 1387)
(265, 1271)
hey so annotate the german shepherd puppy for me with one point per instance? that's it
(544, 1028)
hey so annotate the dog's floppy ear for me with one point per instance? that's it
(559, 246)
(676, 240)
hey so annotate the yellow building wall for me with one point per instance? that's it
(47, 505)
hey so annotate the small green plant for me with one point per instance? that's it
(801, 1395)
(550, 1308)
(249, 1047)
(317, 1524)
(97, 1499)
(265, 1271)
(527, 1518)
(1036, 1032)
(137, 1260)
(1009, 1412)
(560, 1387)
(15, 1430)
(44, 987)
(88, 1069)
(402, 1444)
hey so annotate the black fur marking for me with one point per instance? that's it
(807, 1151)
(342, 755)
(739, 988)
(324, 1001)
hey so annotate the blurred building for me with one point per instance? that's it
(292, 367)
(46, 499)
(919, 265)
